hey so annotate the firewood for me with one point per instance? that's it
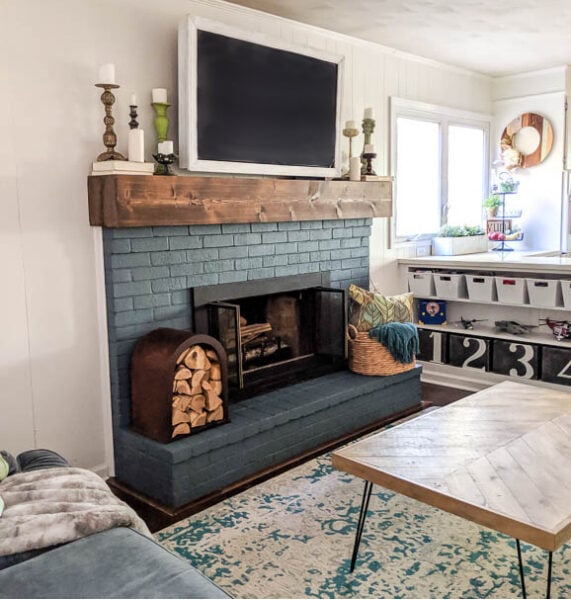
(197, 359)
(216, 415)
(217, 387)
(250, 332)
(181, 401)
(215, 373)
(178, 416)
(197, 419)
(197, 379)
(197, 403)
(182, 373)
(181, 429)
(206, 385)
(211, 354)
(182, 356)
(213, 401)
(243, 321)
(182, 387)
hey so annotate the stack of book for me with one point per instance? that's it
(122, 167)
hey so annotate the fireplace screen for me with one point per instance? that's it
(280, 338)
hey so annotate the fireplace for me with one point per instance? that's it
(276, 331)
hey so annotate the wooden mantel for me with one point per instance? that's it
(141, 201)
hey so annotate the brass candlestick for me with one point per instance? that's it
(350, 133)
(368, 128)
(109, 137)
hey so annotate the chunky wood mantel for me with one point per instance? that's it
(141, 201)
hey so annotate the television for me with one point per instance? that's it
(250, 104)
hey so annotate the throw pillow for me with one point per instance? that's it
(367, 309)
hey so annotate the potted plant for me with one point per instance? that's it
(492, 204)
(459, 239)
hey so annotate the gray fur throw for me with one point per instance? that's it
(58, 505)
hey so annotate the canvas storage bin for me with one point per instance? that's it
(566, 292)
(420, 283)
(449, 285)
(511, 290)
(542, 292)
(480, 288)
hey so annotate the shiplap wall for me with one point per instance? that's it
(54, 388)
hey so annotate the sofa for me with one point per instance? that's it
(115, 563)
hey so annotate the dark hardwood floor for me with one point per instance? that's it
(158, 516)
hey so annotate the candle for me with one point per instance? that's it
(107, 73)
(133, 100)
(355, 168)
(368, 113)
(351, 125)
(166, 147)
(136, 152)
(159, 95)
(369, 149)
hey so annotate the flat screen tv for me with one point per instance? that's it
(253, 105)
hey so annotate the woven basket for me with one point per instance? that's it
(368, 356)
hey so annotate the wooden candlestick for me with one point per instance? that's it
(109, 137)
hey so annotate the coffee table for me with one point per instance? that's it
(500, 458)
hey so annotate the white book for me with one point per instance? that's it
(123, 166)
(97, 173)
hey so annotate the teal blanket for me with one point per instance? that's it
(400, 339)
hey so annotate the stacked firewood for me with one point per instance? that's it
(197, 388)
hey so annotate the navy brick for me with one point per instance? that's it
(121, 261)
(236, 228)
(170, 230)
(345, 232)
(168, 312)
(180, 297)
(198, 280)
(312, 225)
(308, 268)
(149, 244)
(351, 263)
(243, 239)
(120, 246)
(321, 234)
(321, 255)
(233, 252)
(132, 232)
(174, 257)
(217, 266)
(121, 275)
(186, 243)
(203, 254)
(364, 231)
(297, 236)
(218, 241)
(152, 300)
(120, 304)
(351, 243)
(187, 269)
(142, 273)
(133, 317)
(204, 229)
(168, 284)
(265, 273)
(249, 263)
(131, 289)
(233, 276)
(273, 237)
(329, 244)
(300, 257)
(333, 223)
(256, 227)
(274, 261)
(262, 250)
(359, 252)
(286, 248)
(287, 226)
(341, 254)
(308, 246)
(289, 270)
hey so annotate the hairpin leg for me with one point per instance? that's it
(549, 571)
(361, 523)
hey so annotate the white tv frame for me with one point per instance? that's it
(187, 82)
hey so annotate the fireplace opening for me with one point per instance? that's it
(275, 332)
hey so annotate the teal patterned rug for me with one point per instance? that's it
(292, 536)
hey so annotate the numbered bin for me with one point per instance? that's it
(432, 345)
(481, 288)
(420, 283)
(515, 359)
(450, 285)
(511, 290)
(469, 351)
(556, 365)
(566, 292)
(542, 292)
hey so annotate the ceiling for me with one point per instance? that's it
(494, 37)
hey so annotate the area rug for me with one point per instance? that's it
(292, 536)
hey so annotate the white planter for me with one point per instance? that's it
(450, 246)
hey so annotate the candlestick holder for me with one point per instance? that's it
(109, 137)
(369, 156)
(368, 126)
(350, 133)
(164, 160)
(161, 120)
(133, 123)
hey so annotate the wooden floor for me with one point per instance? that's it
(158, 516)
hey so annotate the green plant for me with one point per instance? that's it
(460, 230)
(493, 201)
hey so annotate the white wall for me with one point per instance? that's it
(53, 383)
(540, 190)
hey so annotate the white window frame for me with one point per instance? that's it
(444, 116)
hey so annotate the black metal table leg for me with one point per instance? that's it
(361, 524)
(549, 571)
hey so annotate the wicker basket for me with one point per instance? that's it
(369, 357)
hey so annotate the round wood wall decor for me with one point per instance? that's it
(526, 141)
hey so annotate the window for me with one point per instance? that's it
(440, 164)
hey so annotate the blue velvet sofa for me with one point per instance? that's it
(117, 563)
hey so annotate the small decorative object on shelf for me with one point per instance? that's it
(136, 151)
(107, 78)
(350, 132)
(369, 154)
(133, 123)
(432, 312)
(502, 229)
(165, 157)
(160, 105)
(368, 128)
(508, 184)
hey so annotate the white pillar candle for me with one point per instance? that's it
(133, 100)
(159, 95)
(369, 149)
(368, 113)
(355, 168)
(107, 73)
(136, 152)
(351, 125)
(166, 147)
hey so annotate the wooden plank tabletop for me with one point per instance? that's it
(500, 457)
